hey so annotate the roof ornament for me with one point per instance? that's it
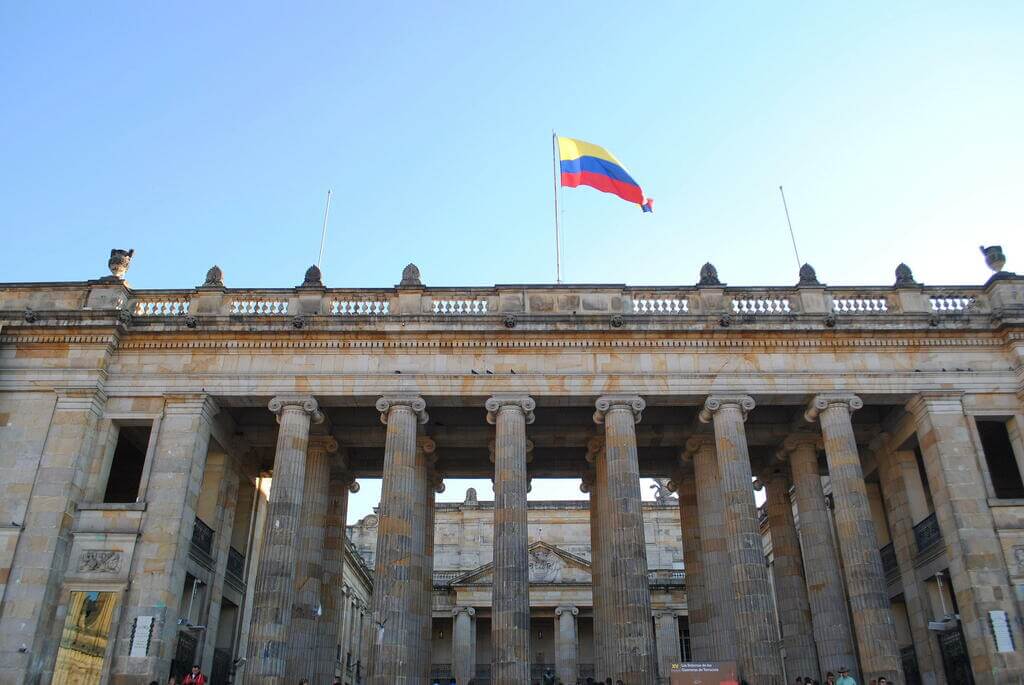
(214, 278)
(807, 276)
(904, 276)
(709, 275)
(313, 278)
(119, 262)
(994, 257)
(410, 277)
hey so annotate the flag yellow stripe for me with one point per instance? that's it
(571, 148)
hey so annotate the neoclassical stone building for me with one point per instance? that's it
(127, 416)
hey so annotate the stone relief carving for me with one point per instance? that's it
(545, 566)
(1018, 556)
(99, 561)
(662, 492)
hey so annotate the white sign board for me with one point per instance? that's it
(140, 636)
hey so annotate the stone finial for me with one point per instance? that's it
(994, 257)
(709, 275)
(410, 277)
(634, 403)
(523, 402)
(904, 276)
(808, 276)
(713, 404)
(415, 403)
(313, 278)
(470, 496)
(214, 278)
(119, 262)
(825, 400)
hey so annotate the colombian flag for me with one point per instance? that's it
(586, 164)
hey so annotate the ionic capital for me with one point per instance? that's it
(304, 403)
(498, 403)
(324, 444)
(468, 611)
(529, 450)
(607, 403)
(414, 403)
(821, 402)
(664, 613)
(696, 443)
(427, 447)
(567, 609)
(795, 441)
(714, 403)
(587, 482)
(436, 481)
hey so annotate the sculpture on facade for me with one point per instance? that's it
(119, 262)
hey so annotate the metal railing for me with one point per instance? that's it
(202, 537)
(889, 565)
(927, 534)
(236, 564)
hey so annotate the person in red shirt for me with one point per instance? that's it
(196, 677)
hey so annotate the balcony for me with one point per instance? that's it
(236, 566)
(889, 565)
(927, 534)
(202, 539)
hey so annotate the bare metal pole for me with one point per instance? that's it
(799, 264)
(323, 233)
(554, 169)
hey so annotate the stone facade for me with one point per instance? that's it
(137, 428)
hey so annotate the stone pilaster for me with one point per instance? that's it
(666, 630)
(44, 544)
(891, 466)
(596, 483)
(717, 622)
(757, 654)
(510, 604)
(274, 597)
(464, 644)
(790, 587)
(977, 567)
(632, 652)
(397, 585)
(833, 634)
(873, 622)
(308, 606)
(566, 644)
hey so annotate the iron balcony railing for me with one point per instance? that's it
(236, 564)
(927, 534)
(202, 537)
(889, 564)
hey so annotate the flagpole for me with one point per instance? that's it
(323, 233)
(554, 169)
(790, 224)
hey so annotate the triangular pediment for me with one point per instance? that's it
(548, 565)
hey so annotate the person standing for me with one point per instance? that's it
(844, 677)
(195, 677)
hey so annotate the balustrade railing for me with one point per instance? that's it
(927, 534)
(952, 303)
(889, 564)
(360, 307)
(202, 537)
(756, 305)
(161, 305)
(259, 307)
(236, 564)
(653, 304)
(859, 304)
(459, 307)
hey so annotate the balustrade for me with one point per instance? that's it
(758, 305)
(161, 305)
(360, 307)
(259, 307)
(889, 565)
(927, 533)
(654, 304)
(859, 304)
(236, 563)
(946, 304)
(202, 537)
(459, 307)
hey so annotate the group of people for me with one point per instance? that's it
(844, 679)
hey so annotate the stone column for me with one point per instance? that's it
(510, 603)
(41, 553)
(696, 592)
(873, 622)
(274, 595)
(829, 616)
(567, 644)
(596, 483)
(396, 588)
(435, 484)
(757, 654)
(667, 634)
(464, 644)
(977, 568)
(717, 621)
(334, 592)
(790, 586)
(632, 650)
(897, 505)
(419, 628)
(308, 605)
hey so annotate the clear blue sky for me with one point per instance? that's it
(201, 134)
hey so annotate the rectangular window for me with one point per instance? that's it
(1002, 466)
(83, 644)
(125, 475)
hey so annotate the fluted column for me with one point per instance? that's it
(510, 603)
(790, 586)
(596, 483)
(309, 604)
(464, 644)
(873, 622)
(400, 530)
(567, 644)
(696, 594)
(274, 595)
(632, 651)
(717, 622)
(435, 485)
(757, 654)
(891, 466)
(419, 628)
(830, 620)
(666, 629)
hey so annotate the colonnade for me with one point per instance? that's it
(729, 593)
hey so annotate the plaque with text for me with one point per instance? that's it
(704, 673)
